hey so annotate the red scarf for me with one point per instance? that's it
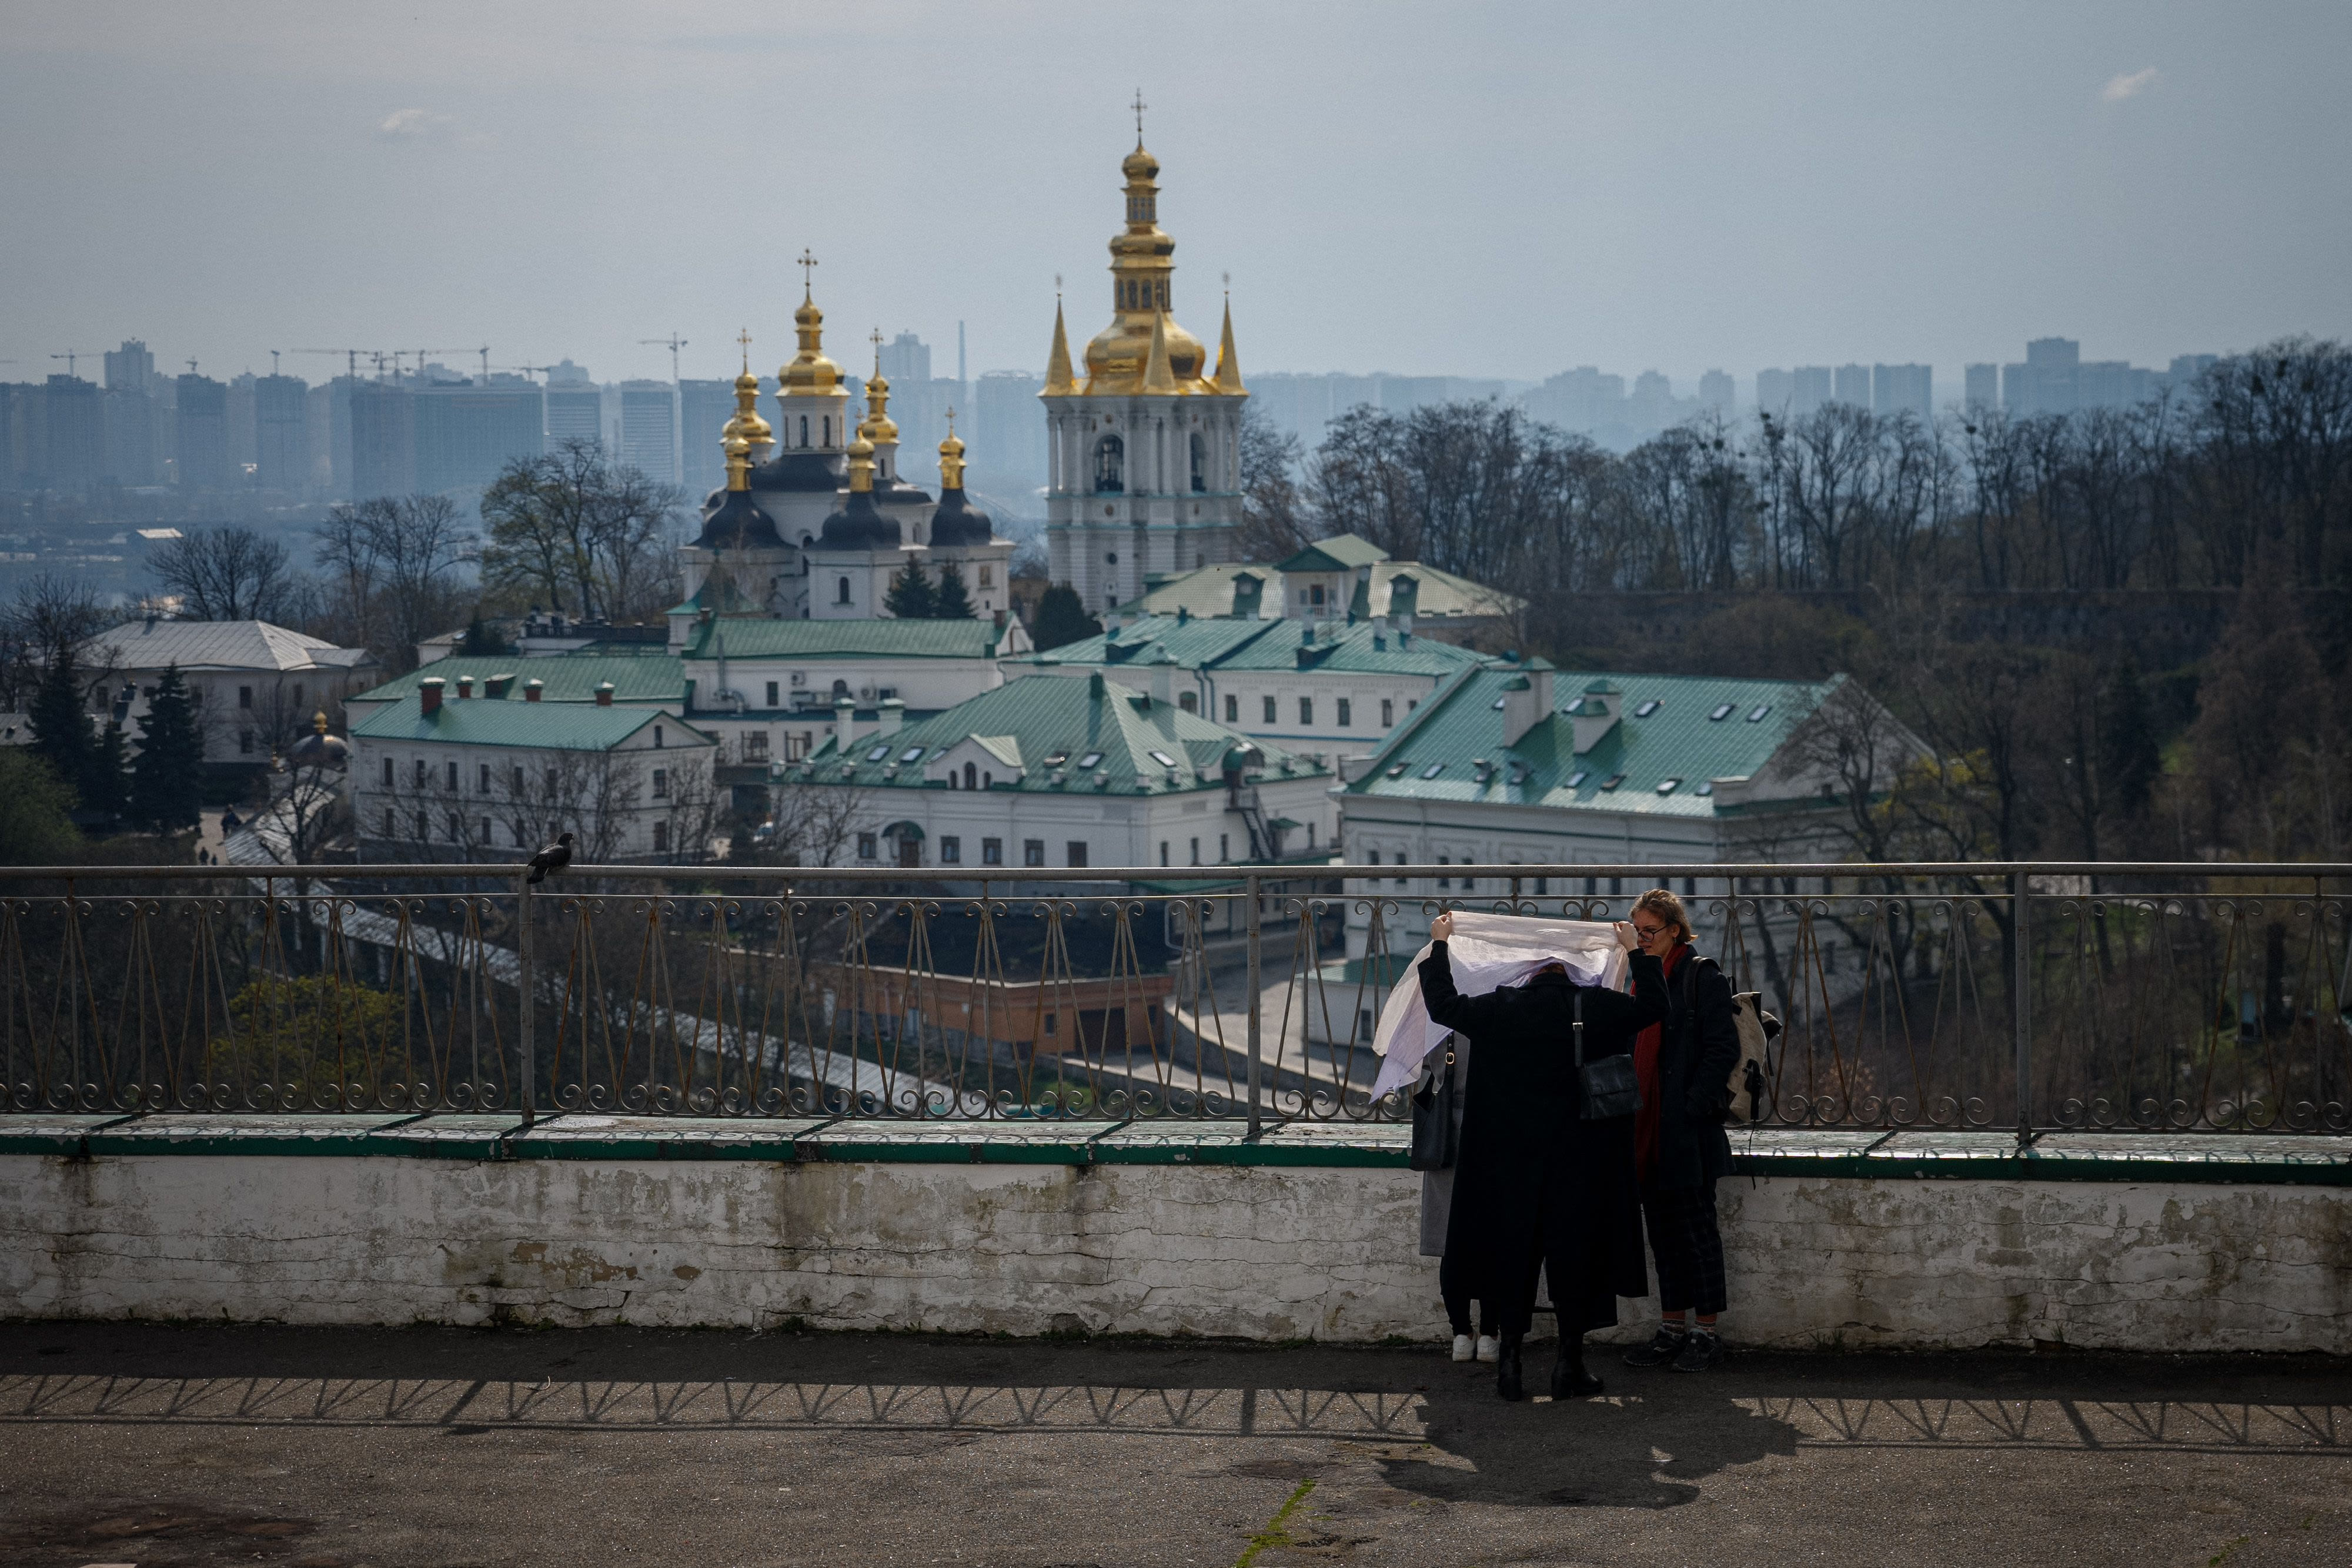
(1646, 1046)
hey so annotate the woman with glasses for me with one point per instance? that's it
(1679, 1147)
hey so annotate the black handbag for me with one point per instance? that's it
(1612, 1087)
(1436, 1130)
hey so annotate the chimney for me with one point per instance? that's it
(1379, 632)
(465, 686)
(1163, 678)
(532, 688)
(1110, 625)
(428, 696)
(1527, 701)
(1405, 630)
(498, 685)
(894, 715)
(1595, 715)
(604, 693)
(844, 711)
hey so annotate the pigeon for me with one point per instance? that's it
(554, 857)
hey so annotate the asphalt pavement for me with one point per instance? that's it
(335, 1448)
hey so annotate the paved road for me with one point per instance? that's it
(283, 1446)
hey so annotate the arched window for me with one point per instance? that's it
(1200, 466)
(840, 591)
(971, 774)
(1110, 466)
(828, 430)
(840, 689)
(804, 430)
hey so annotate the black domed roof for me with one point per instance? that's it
(739, 524)
(859, 525)
(959, 523)
(797, 471)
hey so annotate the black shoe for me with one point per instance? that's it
(1507, 1368)
(1569, 1380)
(1700, 1350)
(1666, 1344)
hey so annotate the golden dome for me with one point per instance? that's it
(1141, 266)
(810, 371)
(877, 426)
(747, 426)
(952, 457)
(861, 464)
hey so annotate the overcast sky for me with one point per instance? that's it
(1495, 190)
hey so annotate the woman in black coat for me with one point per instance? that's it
(1679, 1147)
(1537, 1186)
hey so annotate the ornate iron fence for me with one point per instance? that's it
(2025, 996)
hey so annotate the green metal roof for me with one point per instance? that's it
(542, 726)
(1227, 644)
(1047, 719)
(1679, 739)
(1209, 591)
(1341, 552)
(651, 677)
(813, 640)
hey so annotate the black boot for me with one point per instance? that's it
(1569, 1380)
(1507, 1368)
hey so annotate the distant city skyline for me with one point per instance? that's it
(1726, 187)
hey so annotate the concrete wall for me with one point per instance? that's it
(1260, 1252)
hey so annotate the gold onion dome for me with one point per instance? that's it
(747, 426)
(877, 426)
(810, 371)
(952, 457)
(1120, 358)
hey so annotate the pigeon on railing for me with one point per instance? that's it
(554, 857)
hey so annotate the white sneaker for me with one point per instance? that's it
(1462, 1347)
(1489, 1347)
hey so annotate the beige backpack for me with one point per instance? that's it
(1757, 1029)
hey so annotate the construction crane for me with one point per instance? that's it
(672, 344)
(353, 356)
(527, 369)
(420, 354)
(71, 355)
(485, 351)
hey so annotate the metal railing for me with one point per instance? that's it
(2012, 996)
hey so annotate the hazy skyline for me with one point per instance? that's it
(1477, 190)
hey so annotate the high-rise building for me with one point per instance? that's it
(466, 431)
(1007, 435)
(1776, 393)
(281, 438)
(200, 440)
(383, 440)
(1811, 389)
(73, 453)
(130, 368)
(649, 429)
(129, 437)
(1582, 400)
(703, 410)
(2187, 367)
(1982, 387)
(1715, 392)
(1903, 388)
(242, 442)
(903, 359)
(1853, 385)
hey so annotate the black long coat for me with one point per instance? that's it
(1536, 1182)
(1696, 1051)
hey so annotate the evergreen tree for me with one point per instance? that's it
(35, 811)
(910, 597)
(60, 728)
(1061, 619)
(2130, 756)
(106, 775)
(485, 638)
(949, 601)
(166, 780)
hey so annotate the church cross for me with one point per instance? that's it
(1139, 106)
(806, 263)
(744, 338)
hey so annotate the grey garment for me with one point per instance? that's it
(1437, 1186)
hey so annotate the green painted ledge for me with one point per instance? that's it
(2208, 1157)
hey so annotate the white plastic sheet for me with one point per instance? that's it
(1486, 953)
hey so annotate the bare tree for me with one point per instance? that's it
(393, 562)
(572, 528)
(1275, 520)
(47, 621)
(226, 574)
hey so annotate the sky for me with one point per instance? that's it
(1469, 189)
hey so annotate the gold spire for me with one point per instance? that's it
(1059, 382)
(739, 462)
(1141, 269)
(1229, 363)
(951, 458)
(747, 426)
(810, 371)
(877, 426)
(861, 466)
(1156, 376)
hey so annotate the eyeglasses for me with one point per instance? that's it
(1646, 932)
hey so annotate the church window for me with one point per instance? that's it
(971, 774)
(1110, 466)
(1233, 709)
(987, 576)
(1200, 466)
(804, 430)
(840, 591)
(828, 430)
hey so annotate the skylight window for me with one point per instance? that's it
(1089, 760)
(1647, 708)
(1756, 715)
(1613, 782)
(878, 754)
(1576, 780)
(1162, 757)
(912, 754)
(1397, 771)
(1668, 786)
(1722, 711)
(1706, 788)
(1432, 770)
(1056, 759)
(1498, 705)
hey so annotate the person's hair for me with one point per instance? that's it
(1662, 902)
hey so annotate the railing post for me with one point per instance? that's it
(1254, 1007)
(2021, 1002)
(526, 985)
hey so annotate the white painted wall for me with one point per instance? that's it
(1258, 1252)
